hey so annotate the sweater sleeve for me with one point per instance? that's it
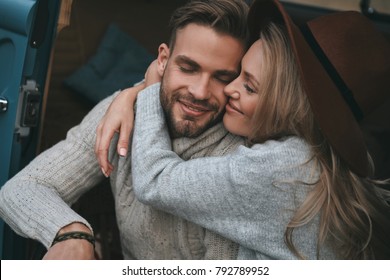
(235, 195)
(35, 203)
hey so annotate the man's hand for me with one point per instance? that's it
(118, 118)
(72, 249)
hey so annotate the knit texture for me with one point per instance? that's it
(35, 202)
(248, 196)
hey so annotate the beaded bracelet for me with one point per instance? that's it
(74, 235)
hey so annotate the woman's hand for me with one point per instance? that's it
(118, 118)
(152, 74)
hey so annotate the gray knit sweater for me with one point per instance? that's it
(247, 196)
(35, 202)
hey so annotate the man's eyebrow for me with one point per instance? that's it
(185, 59)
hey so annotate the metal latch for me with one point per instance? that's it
(28, 109)
(3, 105)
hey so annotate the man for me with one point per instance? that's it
(207, 43)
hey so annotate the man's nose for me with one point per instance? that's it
(200, 89)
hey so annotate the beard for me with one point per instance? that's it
(187, 126)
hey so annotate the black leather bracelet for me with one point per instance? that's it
(74, 235)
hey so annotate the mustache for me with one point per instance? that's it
(188, 98)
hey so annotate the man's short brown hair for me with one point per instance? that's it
(227, 17)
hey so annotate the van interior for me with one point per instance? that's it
(85, 29)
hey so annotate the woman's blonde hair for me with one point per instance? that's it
(355, 216)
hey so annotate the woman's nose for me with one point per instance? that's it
(231, 90)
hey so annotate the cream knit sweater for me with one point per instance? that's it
(36, 202)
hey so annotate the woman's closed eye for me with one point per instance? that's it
(249, 89)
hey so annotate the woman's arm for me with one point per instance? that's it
(119, 118)
(223, 194)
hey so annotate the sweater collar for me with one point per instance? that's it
(215, 141)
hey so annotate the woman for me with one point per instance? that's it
(301, 188)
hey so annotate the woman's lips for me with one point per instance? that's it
(230, 107)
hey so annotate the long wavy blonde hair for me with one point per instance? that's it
(355, 215)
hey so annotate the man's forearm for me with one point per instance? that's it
(36, 202)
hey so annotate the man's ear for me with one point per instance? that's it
(162, 59)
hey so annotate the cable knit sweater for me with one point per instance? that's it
(247, 196)
(35, 202)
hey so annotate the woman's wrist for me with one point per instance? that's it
(130, 94)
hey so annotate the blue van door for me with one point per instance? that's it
(27, 31)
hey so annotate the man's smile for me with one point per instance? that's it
(194, 110)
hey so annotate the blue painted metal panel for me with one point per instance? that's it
(15, 24)
(22, 58)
